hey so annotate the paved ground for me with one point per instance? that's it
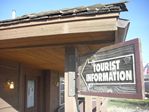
(124, 105)
(125, 109)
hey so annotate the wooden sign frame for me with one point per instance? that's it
(139, 77)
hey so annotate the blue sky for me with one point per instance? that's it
(138, 14)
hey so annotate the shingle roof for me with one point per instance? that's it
(65, 13)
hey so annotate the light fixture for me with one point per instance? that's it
(10, 84)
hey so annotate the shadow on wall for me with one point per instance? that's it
(5, 107)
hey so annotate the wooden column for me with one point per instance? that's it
(88, 104)
(101, 104)
(70, 85)
(47, 85)
(21, 89)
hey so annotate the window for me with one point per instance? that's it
(30, 93)
(61, 91)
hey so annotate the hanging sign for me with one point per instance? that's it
(116, 71)
(113, 71)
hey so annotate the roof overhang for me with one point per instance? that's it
(61, 32)
(42, 44)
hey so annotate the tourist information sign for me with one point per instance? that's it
(113, 71)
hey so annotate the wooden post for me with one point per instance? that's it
(88, 104)
(101, 104)
(70, 82)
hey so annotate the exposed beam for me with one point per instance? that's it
(94, 42)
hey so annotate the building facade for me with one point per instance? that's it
(39, 51)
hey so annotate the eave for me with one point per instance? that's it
(42, 44)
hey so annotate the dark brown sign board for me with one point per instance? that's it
(113, 71)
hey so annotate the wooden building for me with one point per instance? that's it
(38, 50)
